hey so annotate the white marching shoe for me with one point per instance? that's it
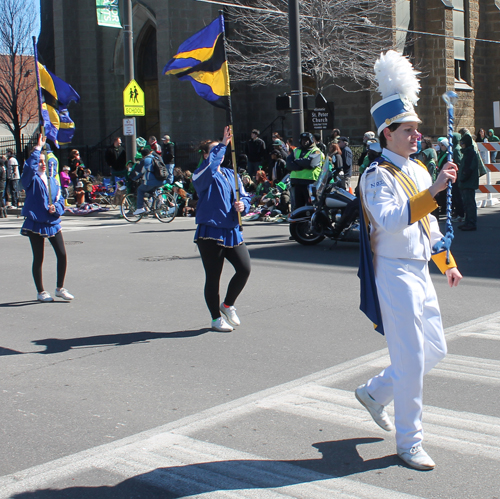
(376, 410)
(417, 458)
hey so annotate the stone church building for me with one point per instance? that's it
(455, 45)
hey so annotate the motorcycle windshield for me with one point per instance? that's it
(323, 179)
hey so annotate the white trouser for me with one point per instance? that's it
(415, 338)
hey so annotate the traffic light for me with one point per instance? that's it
(284, 102)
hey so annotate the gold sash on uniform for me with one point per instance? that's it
(410, 189)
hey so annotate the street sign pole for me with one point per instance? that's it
(128, 53)
(295, 71)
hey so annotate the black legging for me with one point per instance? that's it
(37, 246)
(212, 256)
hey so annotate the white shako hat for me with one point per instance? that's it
(399, 87)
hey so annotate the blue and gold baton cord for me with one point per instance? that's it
(450, 98)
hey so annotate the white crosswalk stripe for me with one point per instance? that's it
(172, 458)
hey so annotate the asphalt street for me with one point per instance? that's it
(126, 393)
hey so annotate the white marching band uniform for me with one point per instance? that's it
(402, 236)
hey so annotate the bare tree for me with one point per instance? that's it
(340, 41)
(18, 105)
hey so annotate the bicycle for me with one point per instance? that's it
(160, 203)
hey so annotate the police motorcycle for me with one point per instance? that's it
(309, 225)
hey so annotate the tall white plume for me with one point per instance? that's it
(395, 75)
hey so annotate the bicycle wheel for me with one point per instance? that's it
(127, 208)
(166, 212)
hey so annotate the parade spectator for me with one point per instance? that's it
(366, 137)
(42, 210)
(217, 235)
(304, 165)
(116, 159)
(79, 193)
(88, 184)
(456, 195)
(278, 166)
(262, 187)
(480, 135)
(335, 155)
(248, 184)
(468, 181)
(3, 180)
(149, 181)
(398, 195)
(76, 166)
(65, 182)
(346, 160)
(256, 151)
(12, 186)
(277, 145)
(373, 151)
(242, 164)
(319, 143)
(178, 174)
(492, 138)
(187, 183)
(334, 136)
(289, 145)
(277, 138)
(426, 144)
(153, 143)
(168, 156)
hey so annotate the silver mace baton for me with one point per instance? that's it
(450, 98)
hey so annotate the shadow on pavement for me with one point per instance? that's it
(8, 351)
(55, 345)
(340, 459)
(26, 303)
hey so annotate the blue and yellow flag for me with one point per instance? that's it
(56, 96)
(201, 59)
(366, 273)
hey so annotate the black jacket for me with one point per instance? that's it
(168, 153)
(116, 157)
(256, 150)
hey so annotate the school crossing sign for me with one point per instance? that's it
(133, 100)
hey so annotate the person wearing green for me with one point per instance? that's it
(492, 138)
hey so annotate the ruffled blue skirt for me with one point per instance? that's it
(44, 230)
(229, 238)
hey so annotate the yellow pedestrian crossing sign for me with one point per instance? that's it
(133, 100)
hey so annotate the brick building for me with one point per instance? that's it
(90, 57)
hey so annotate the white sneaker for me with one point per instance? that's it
(63, 293)
(139, 211)
(230, 314)
(44, 296)
(221, 325)
(417, 458)
(376, 410)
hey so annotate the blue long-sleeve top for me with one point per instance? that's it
(215, 213)
(36, 205)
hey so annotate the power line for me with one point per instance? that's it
(361, 25)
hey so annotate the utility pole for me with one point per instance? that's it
(128, 54)
(295, 71)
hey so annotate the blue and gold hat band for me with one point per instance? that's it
(393, 109)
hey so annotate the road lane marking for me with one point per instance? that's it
(148, 453)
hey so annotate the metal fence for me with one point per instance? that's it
(27, 143)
